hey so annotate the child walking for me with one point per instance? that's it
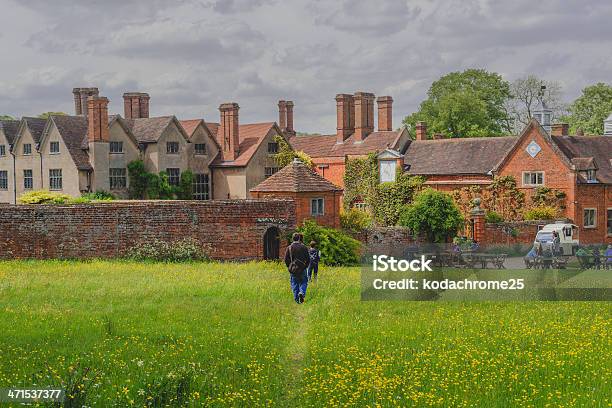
(315, 257)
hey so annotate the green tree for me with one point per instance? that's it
(6, 117)
(185, 190)
(286, 154)
(433, 214)
(589, 111)
(462, 104)
(139, 180)
(46, 115)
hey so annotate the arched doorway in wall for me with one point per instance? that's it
(271, 243)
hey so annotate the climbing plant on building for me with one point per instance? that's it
(285, 154)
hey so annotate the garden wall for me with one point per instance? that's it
(229, 230)
(522, 232)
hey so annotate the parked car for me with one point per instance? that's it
(568, 235)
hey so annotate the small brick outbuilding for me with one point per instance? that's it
(316, 198)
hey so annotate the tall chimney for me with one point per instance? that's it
(228, 136)
(80, 99)
(282, 115)
(345, 121)
(97, 119)
(136, 105)
(289, 107)
(560, 129)
(364, 115)
(385, 113)
(421, 131)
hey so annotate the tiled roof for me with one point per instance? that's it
(73, 130)
(597, 148)
(36, 126)
(326, 146)
(10, 129)
(149, 130)
(251, 135)
(295, 178)
(477, 155)
(190, 125)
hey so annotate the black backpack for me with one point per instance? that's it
(296, 266)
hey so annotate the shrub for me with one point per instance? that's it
(44, 197)
(355, 220)
(541, 213)
(185, 189)
(99, 195)
(178, 251)
(434, 214)
(139, 179)
(337, 248)
(493, 217)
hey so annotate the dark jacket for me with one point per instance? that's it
(299, 252)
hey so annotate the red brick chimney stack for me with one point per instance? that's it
(227, 135)
(282, 115)
(80, 99)
(421, 131)
(345, 120)
(364, 115)
(385, 113)
(97, 123)
(136, 105)
(560, 129)
(289, 107)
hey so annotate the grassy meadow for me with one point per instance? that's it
(207, 334)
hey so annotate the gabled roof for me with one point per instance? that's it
(581, 149)
(10, 129)
(73, 130)
(36, 127)
(190, 126)
(251, 136)
(317, 146)
(476, 155)
(295, 178)
(149, 130)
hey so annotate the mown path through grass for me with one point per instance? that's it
(231, 335)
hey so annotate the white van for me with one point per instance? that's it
(568, 235)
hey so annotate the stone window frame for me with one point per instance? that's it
(52, 147)
(524, 173)
(28, 151)
(584, 212)
(320, 206)
(272, 147)
(117, 178)
(199, 149)
(201, 188)
(115, 147)
(174, 176)
(4, 180)
(28, 181)
(2, 150)
(170, 148)
(55, 180)
(270, 171)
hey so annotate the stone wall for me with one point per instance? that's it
(229, 230)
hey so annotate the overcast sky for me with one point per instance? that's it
(192, 55)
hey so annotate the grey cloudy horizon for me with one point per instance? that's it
(192, 55)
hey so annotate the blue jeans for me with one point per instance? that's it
(299, 283)
(313, 268)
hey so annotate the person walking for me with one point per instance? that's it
(315, 257)
(556, 244)
(297, 260)
(609, 257)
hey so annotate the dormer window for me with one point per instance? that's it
(27, 149)
(54, 147)
(591, 176)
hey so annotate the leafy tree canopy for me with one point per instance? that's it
(6, 117)
(432, 214)
(45, 115)
(463, 104)
(589, 111)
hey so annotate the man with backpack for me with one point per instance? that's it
(297, 260)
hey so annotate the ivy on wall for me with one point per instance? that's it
(286, 154)
(150, 186)
(383, 200)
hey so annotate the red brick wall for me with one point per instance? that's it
(232, 230)
(333, 169)
(331, 217)
(494, 233)
(596, 196)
